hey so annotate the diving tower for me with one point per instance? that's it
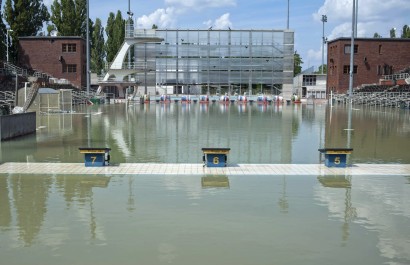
(119, 71)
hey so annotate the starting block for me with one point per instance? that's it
(95, 157)
(215, 157)
(336, 157)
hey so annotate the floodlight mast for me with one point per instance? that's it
(324, 19)
(88, 48)
(354, 29)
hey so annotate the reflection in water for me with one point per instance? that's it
(94, 219)
(283, 200)
(334, 181)
(342, 182)
(30, 202)
(215, 182)
(381, 207)
(379, 135)
(175, 133)
(30, 196)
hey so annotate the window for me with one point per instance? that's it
(70, 68)
(380, 49)
(346, 69)
(69, 47)
(309, 80)
(347, 49)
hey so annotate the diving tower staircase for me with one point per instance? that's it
(120, 69)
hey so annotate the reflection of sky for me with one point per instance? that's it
(381, 205)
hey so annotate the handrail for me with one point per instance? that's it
(396, 76)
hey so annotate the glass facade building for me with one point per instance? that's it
(210, 61)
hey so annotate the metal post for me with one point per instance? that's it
(287, 25)
(324, 19)
(352, 50)
(356, 15)
(88, 49)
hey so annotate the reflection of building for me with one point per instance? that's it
(195, 61)
(373, 58)
(61, 57)
(310, 85)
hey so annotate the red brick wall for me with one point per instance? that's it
(43, 54)
(394, 53)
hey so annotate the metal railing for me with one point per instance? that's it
(142, 66)
(396, 76)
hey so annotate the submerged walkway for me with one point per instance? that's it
(198, 169)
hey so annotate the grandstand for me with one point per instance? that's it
(393, 91)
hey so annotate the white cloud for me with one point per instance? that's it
(163, 18)
(200, 4)
(314, 57)
(374, 16)
(222, 22)
(369, 10)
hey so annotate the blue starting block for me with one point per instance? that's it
(215, 157)
(336, 157)
(95, 157)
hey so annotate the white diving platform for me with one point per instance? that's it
(199, 169)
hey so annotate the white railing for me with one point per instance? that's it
(131, 65)
(396, 76)
(131, 32)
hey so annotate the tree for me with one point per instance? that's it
(2, 33)
(393, 33)
(70, 17)
(154, 26)
(376, 35)
(297, 64)
(97, 48)
(406, 32)
(319, 71)
(26, 18)
(115, 35)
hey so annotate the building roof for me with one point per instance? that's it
(45, 90)
(372, 39)
(50, 37)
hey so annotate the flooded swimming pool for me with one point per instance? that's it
(151, 219)
(207, 219)
(175, 133)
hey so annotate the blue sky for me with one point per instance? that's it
(305, 17)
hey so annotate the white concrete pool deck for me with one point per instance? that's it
(198, 169)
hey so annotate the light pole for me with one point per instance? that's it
(324, 19)
(287, 24)
(7, 40)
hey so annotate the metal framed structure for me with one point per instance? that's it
(217, 60)
(208, 61)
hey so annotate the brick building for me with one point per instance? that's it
(60, 57)
(373, 58)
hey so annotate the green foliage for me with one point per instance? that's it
(319, 71)
(297, 64)
(393, 33)
(115, 35)
(70, 17)
(2, 33)
(376, 35)
(26, 18)
(405, 32)
(97, 49)
(154, 26)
